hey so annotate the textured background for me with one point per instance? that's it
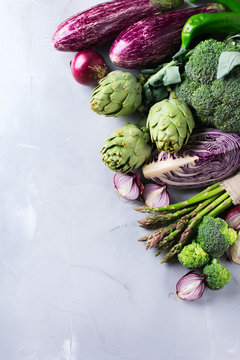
(74, 282)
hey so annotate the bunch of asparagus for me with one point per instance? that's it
(176, 223)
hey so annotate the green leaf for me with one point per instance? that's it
(228, 60)
(171, 76)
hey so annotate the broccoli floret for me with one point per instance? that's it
(202, 64)
(214, 102)
(193, 256)
(185, 91)
(203, 101)
(226, 118)
(215, 236)
(227, 89)
(217, 276)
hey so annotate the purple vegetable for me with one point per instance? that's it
(233, 218)
(100, 23)
(209, 157)
(128, 185)
(152, 39)
(191, 286)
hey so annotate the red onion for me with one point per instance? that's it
(128, 185)
(155, 195)
(233, 218)
(88, 67)
(191, 286)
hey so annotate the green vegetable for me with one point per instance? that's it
(215, 101)
(209, 23)
(215, 236)
(118, 94)
(170, 122)
(193, 256)
(168, 4)
(127, 148)
(155, 82)
(233, 5)
(228, 60)
(217, 276)
(186, 216)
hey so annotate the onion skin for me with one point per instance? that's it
(155, 195)
(100, 23)
(88, 67)
(233, 218)
(128, 185)
(191, 286)
(152, 39)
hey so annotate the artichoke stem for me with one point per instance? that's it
(172, 94)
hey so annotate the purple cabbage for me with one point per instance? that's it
(209, 157)
(100, 23)
(153, 39)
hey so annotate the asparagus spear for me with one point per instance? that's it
(215, 208)
(205, 194)
(182, 223)
(154, 220)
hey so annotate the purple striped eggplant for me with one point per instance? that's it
(152, 39)
(100, 23)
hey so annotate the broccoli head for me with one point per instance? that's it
(215, 236)
(217, 276)
(215, 102)
(193, 256)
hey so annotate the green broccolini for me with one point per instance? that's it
(193, 256)
(217, 276)
(216, 102)
(215, 236)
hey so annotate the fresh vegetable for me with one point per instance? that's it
(223, 23)
(100, 23)
(215, 237)
(170, 123)
(216, 275)
(88, 67)
(193, 256)
(233, 5)
(126, 148)
(118, 94)
(186, 217)
(209, 156)
(216, 102)
(156, 83)
(233, 218)
(128, 185)
(168, 4)
(153, 39)
(235, 251)
(191, 286)
(155, 195)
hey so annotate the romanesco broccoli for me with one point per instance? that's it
(193, 256)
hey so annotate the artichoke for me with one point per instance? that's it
(170, 122)
(127, 148)
(118, 94)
